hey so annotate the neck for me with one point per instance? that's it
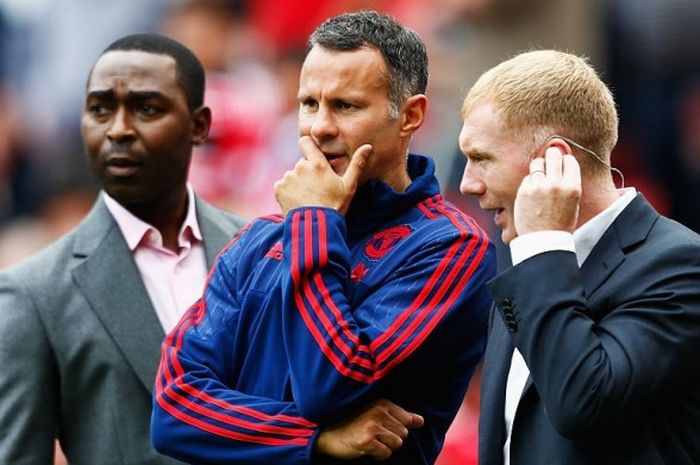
(597, 195)
(400, 182)
(397, 177)
(166, 216)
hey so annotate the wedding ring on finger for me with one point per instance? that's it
(538, 171)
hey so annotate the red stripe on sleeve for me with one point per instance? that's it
(219, 431)
(325, 348)
(434, 279)
(322, 238)
(308, 243)
(443, 309)
(446, 287)
(216, 415)
(429, 307)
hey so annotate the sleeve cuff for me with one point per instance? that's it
(313, 457)
(531, 244)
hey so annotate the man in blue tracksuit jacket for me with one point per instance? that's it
(355, 294)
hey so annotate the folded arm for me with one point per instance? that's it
(338, 353)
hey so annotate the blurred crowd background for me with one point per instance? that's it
(648, 52)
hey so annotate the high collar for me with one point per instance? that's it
(376, 203)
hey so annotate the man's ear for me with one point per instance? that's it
(413, 114)
(553, 141)
(201, 118)
(560, 144)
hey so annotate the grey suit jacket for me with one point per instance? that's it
(80, 345)
(612, 350)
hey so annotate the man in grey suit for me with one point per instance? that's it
(81, 322)
(592, 355)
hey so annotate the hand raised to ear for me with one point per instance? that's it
(313, 182)
(548, 198)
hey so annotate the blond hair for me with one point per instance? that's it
(548, 92)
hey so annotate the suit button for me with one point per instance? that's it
(508, 315)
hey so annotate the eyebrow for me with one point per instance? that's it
(133, 95)
(100, 94)
(482, 153)
(476, 152)
(146, 95)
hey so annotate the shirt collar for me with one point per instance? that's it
(376, 203)
(588, 234)
(134, 229)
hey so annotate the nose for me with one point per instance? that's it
(471, 184)
(324, 125)
(121, 128)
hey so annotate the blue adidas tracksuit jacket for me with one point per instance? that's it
(304, 319)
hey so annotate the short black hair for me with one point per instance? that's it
(189, 70)
(402, 49)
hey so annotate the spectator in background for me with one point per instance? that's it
(13, 200)
(252, 53)
(472, 36)
(234, 168)
(655, 72)
(593, 342)
(61, 212)
(53, 42)
(81, 322)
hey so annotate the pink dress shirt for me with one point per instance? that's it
(174, 281)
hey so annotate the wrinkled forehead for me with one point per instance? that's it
(134, 69)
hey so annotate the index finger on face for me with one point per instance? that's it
(310, 149)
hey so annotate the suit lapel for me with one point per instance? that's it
(111, 283)
(630, 227)
(606, 256)
(497, 359)
(215, 227)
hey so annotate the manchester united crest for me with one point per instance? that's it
(382, 242)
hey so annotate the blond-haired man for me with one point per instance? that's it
(593, 343)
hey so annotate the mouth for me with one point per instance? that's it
(336, 160)
(121, 166)
(332, 156)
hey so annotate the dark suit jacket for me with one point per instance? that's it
(80, 344)
(613, 350)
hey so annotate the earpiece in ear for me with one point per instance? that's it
(565, 142)
(559, 144)
(553, 151)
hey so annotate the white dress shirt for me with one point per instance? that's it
(523, 247)
(174, 281)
